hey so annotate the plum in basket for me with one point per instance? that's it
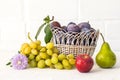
(72, 27)
(84, 26)
(55, 24)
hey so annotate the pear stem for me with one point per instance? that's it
(102, 37)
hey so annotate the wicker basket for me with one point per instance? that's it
(75, 43)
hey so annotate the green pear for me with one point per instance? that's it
(105, 58)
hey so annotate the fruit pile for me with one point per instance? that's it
(73, 27)
(42, 56)
(74, 34)
(46, 56)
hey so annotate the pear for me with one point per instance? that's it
(105, 58)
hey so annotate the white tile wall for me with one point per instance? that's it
(17, 17)
(99, 9)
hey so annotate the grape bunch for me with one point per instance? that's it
(46, 56)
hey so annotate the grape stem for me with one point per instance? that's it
(29, 37)
(102, 37)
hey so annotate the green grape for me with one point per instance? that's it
(27, 50)
(69, 56)
(55, 50)
(54, 60)
(72, 61)
(58, 65)
(43, 49)
(43, 55)
(65, 62)
(50, 45)
(34, 51)
(37, 58)
(48, 62)
(29, 60)
(41, 64)
(49, 52)
(67, 67)
(32, 63)
(33, 45)
(61, 56)
(55, 54)
(31, 56)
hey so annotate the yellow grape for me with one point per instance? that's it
(34, 51)
(37, 58)
(69, 56)
(72, 61)
(55, 54)
(23, 46)
(43, 55)
(43, 49)
(48, 62)
(58, 65)
(49, 52)
(61, 56)
(55, 50)
(27, 50)
(38, 42)
(68, 67)
(54, 60)
(39, 47)
(31, 56)
(32, 63)
(65, 62)
(33, 45)
(41, 64)
(50, 45)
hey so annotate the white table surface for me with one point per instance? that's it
(97, 73)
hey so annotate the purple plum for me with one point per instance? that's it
(72, 27)
(84, 26)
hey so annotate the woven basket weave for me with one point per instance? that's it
(74, 42)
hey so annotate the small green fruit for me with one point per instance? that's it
(41, 64)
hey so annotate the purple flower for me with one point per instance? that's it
(19, 62)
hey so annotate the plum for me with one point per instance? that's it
(55, 24)
(84, 26)
(71, 23)
(64, 28)
(72, 27)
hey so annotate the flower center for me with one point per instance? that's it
(19, 62)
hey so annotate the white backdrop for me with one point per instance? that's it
(17, 17)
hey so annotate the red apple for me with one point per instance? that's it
(84, 63)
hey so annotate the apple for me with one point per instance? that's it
(84, 63)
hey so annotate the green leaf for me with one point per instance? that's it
(47, 28)
(48, 37)
(47, 19)
(8, 63)
(39, 30)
